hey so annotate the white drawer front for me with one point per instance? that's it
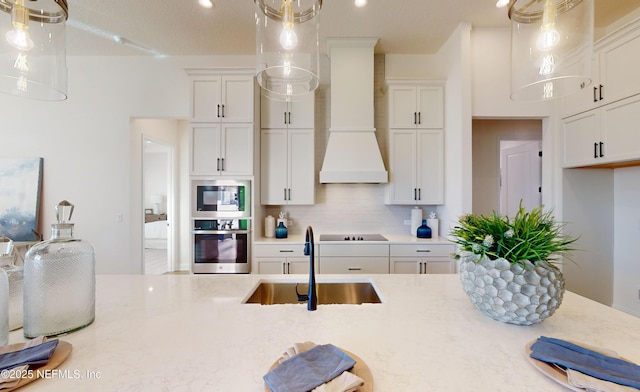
(353, 250)
(426, 250)
(278, 250)
(354, 265)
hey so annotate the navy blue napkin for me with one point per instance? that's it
(309, 369)
(36, 355)
(586, 361)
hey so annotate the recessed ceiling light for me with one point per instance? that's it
(206, 3)
(502, 3)
(360, 3)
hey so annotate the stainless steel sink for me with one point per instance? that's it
(355, 293)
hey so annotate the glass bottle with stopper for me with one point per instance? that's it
(59, 281)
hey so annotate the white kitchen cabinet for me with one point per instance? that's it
(222, 98)
(286, 258)
(422, 259)
(221, 149)
(416, 167)
(615, 63)
(283, 114)
(287, 166)
(605, 135)
(415, 104)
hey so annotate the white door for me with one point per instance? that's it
(520, 177)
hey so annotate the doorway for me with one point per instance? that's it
(486, 177)
(157, 198)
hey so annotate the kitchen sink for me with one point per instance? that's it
(354, 293)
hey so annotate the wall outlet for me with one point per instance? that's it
(407, 223)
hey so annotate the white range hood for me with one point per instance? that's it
(352, 155)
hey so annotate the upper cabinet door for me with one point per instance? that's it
(237, 96)
(430, 107)
(226, 98)
(205, 100)
(282, 114)
(403, 112)
(619, 64)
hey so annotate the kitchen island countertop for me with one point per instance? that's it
(192, 333)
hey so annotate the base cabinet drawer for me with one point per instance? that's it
(417, 265)
(280, 266)
(422, 250)
(354, 265)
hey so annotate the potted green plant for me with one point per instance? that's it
(507, 265)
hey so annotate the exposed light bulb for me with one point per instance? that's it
(547, 92)
(19, 37)
(287, 68)
(549, 37)
(288, 37)
(502, 3)
(206, 3)
(360, 3)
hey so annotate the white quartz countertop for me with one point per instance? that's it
(191, 333)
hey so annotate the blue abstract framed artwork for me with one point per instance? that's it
(20, 187)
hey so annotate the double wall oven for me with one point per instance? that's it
(221, 231)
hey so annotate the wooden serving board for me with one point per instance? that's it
(360, 369)
(62, 351)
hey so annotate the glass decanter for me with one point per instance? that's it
(15, 275)
(59, 281)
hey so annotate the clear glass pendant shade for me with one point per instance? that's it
(33, 49)
(551, 48)
(287, 47)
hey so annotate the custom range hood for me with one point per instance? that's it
(352, 155)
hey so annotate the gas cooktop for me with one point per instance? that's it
(352, 237)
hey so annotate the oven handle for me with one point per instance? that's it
(220, 231)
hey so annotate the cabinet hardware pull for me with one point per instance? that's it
(218, 165)
(284, 268)
(218, 110)
(601, 95)
(355, 269)
(419, 193)
(415, 194)
(285, 117)
(288, 268)
(285, 193)
(601, 145)
(595, 91)
(595, 150)
(222, 159)
(415, 118)
(419, 118)
(289, 122)
(289, 196)
(286, 250)
(222, 110)
(423, 250)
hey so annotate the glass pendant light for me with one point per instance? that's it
(287, 47)
(551, 48)
(32, 48)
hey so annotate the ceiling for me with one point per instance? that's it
(183, 27)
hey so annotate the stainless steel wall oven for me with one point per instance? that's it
(221, 246)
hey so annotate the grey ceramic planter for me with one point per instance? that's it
(510, 293)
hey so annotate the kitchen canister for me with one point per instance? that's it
(416, 219)
(269, 226)
(59, 281)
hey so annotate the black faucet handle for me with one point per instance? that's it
(307, 249)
